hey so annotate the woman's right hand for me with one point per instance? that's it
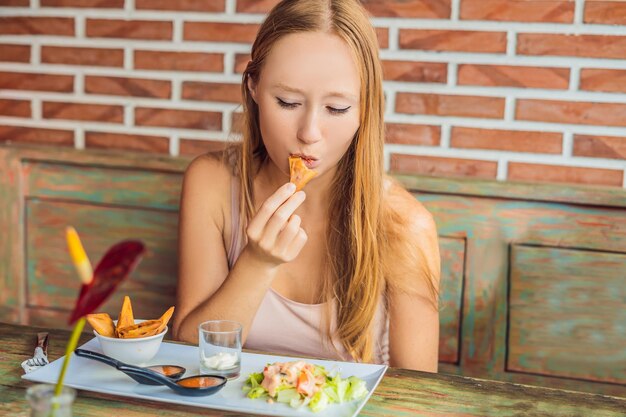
(274, 233)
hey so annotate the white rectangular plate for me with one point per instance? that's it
(89, 375)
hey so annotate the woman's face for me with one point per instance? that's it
(308, 99)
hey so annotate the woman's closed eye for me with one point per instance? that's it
(286, 105)
(335, 110)
(332, 110)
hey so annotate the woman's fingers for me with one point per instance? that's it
(267, 210)
(274, 234)
(281, 216)
(296, 245)
(291, 240)
(289, 232)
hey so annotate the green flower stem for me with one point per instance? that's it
(71, 346)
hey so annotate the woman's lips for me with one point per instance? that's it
(309, 161)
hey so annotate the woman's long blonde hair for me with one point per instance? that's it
(355, 234)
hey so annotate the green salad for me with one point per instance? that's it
(301, 383)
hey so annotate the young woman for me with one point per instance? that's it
(346, 269)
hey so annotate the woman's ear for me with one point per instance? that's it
(251, 88)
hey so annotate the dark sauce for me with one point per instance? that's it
(200, 382)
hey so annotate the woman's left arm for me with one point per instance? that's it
(413, 311)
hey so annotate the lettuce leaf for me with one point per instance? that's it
(287, 395)
(319, 401)
(357, 389)
(335, 390)
(258, 392)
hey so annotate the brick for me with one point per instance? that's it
(425, 9)
(519, 171)
(15, 108)
(440, 166)
(513, 76)
(383, 37)
(220, 32)
(122, 86)
(86, 112)
(255, 6)
(605, 12)
(92, 4)
(453, 40)
(182, 5)
(129, 29)
(24, 134)
(229, 93)
(592, 46)
(407, 134)
(450, 105)
(554, 11)
(600, 146)
(36, 82)
(506, 140)
(607, 80)
(179, 61)
(241, 62)
(14, 53)
(15, 3)
(127, 142)
(421, 72)
(193, 147)
(98, 57)
(236, 123)
(587, 113)
(53, 26)
(182, 119)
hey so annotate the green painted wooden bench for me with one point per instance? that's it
(533, 276)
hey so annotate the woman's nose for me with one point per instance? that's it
(309, 130)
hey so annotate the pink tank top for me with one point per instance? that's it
(285, 326)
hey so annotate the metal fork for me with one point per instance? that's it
(40, 357)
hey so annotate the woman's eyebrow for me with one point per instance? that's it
(287, 88)
(341, 94)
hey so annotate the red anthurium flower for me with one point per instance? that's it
(113, 268)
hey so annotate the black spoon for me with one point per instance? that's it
(193, 386)
(173, 372)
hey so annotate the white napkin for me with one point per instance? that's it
(39, 354)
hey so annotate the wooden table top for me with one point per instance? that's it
(400, 393)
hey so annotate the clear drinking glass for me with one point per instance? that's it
(220, 348)
(43, 402)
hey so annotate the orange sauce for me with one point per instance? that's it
(166, 370)
(199, 382)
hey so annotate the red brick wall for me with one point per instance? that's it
(528, 90)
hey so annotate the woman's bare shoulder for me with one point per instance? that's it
(413, 241)
(208, 164)
(403, 204)
(206, 186)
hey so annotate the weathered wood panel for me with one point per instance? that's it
(490, 225)
(127, 186)
(12, 239)
(50, 279)
(451, 295)
(571, 193)
(568, 313)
